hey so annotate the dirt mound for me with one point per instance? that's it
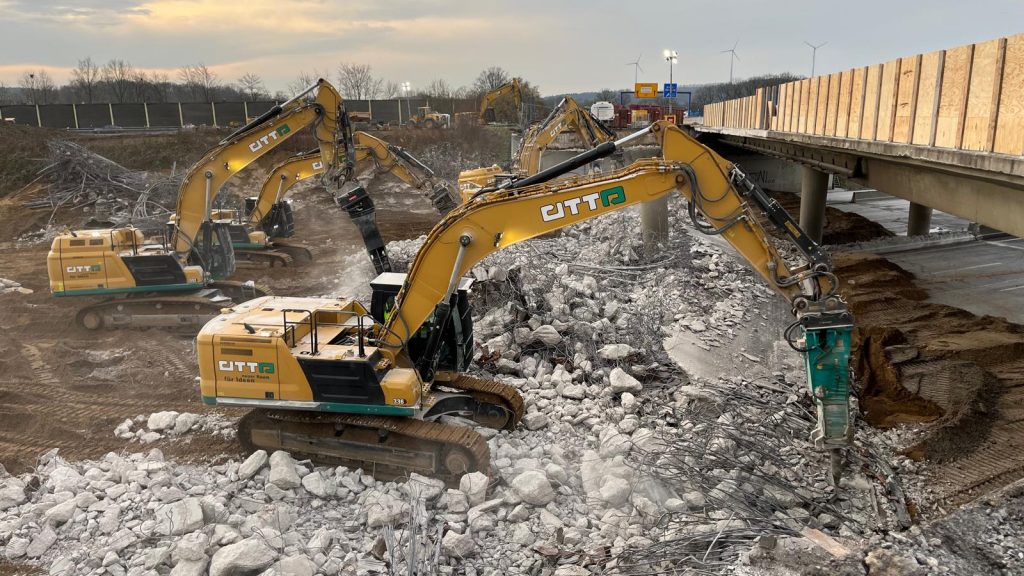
(922, 362)
(840, 227)
(24, 154)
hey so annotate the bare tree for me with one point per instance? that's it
(37, 87)
(200, 81)
(85, 79)
(391, 89)
(356, 81)
(304, 80)
(119, 76)
(252, 86)
(490, 79)
(4, 97)
(141, 87)
(437, 88)
(160, 86)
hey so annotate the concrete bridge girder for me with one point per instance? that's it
(984, 188)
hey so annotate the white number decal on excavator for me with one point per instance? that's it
(607, 198)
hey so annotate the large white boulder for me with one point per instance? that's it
(623, 382)
(282, 471)
(250, 556)
(179, 517)
(474, 486)
(534, 488)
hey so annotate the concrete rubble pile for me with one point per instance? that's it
(620, 458)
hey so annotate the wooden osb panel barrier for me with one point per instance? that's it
(967, 98)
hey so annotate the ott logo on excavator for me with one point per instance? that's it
(266, 139)
(609, 197)
(253, 367)
(86, 268)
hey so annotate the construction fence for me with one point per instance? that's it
(183, 114)
(965, 98)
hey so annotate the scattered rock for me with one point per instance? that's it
(533, 487)
(474, 486)
(250, 556)
(253, 464)
(282, 471)
(457, 545)
(160, 421)
(179, 517)
(623, 382)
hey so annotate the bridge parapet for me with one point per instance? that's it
(969, 98)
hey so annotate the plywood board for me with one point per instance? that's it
(832, 114)
(845, 96)
(870, 123)
(956, 73)
(821, 105)
(887, 101)
(979, 99)
(856, 103)
(926, 92)
(1010, 123)
(805, 107)
(794, 106)
(905, 87)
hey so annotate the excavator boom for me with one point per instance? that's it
(568, 116)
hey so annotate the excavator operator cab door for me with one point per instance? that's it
(456, 350)
(212, 249)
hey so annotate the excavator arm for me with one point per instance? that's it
(720, 200)
(568, 116)
(489, 98)
(319, 106)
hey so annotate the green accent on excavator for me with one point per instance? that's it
(828, 377)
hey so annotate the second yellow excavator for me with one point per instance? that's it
(340, 383)
(262, 234)
(179, 280)
(567, 117)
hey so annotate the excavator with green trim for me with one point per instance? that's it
(179, 280)
(340, 383)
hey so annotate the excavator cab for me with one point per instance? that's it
(456, 341)
(279, 223)
(212, 249)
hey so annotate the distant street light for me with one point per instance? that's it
(814, 53)
(671, 56)
(406, 88)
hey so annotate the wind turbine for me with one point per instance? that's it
(814, 53)
(732, 58)
(636, 68)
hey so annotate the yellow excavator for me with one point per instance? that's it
(269, 221)
(340, 383)
(568, 116)
(487, 114)
(179, 280)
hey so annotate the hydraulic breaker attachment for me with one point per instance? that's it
(360, 208)
(827, 358)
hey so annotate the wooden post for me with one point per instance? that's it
(74, 112)
(181, 117)
(145, 110)
(213, 110)
(39, 117)
(110, 107)
(245, 112)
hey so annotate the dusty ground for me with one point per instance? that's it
(66, 387)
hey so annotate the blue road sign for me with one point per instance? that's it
(671, 90)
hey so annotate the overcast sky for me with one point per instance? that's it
(562, 46)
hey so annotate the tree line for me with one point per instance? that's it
(118, 81)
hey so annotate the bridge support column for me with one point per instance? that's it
(920, 221)
(654, 223)
(813, 190)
